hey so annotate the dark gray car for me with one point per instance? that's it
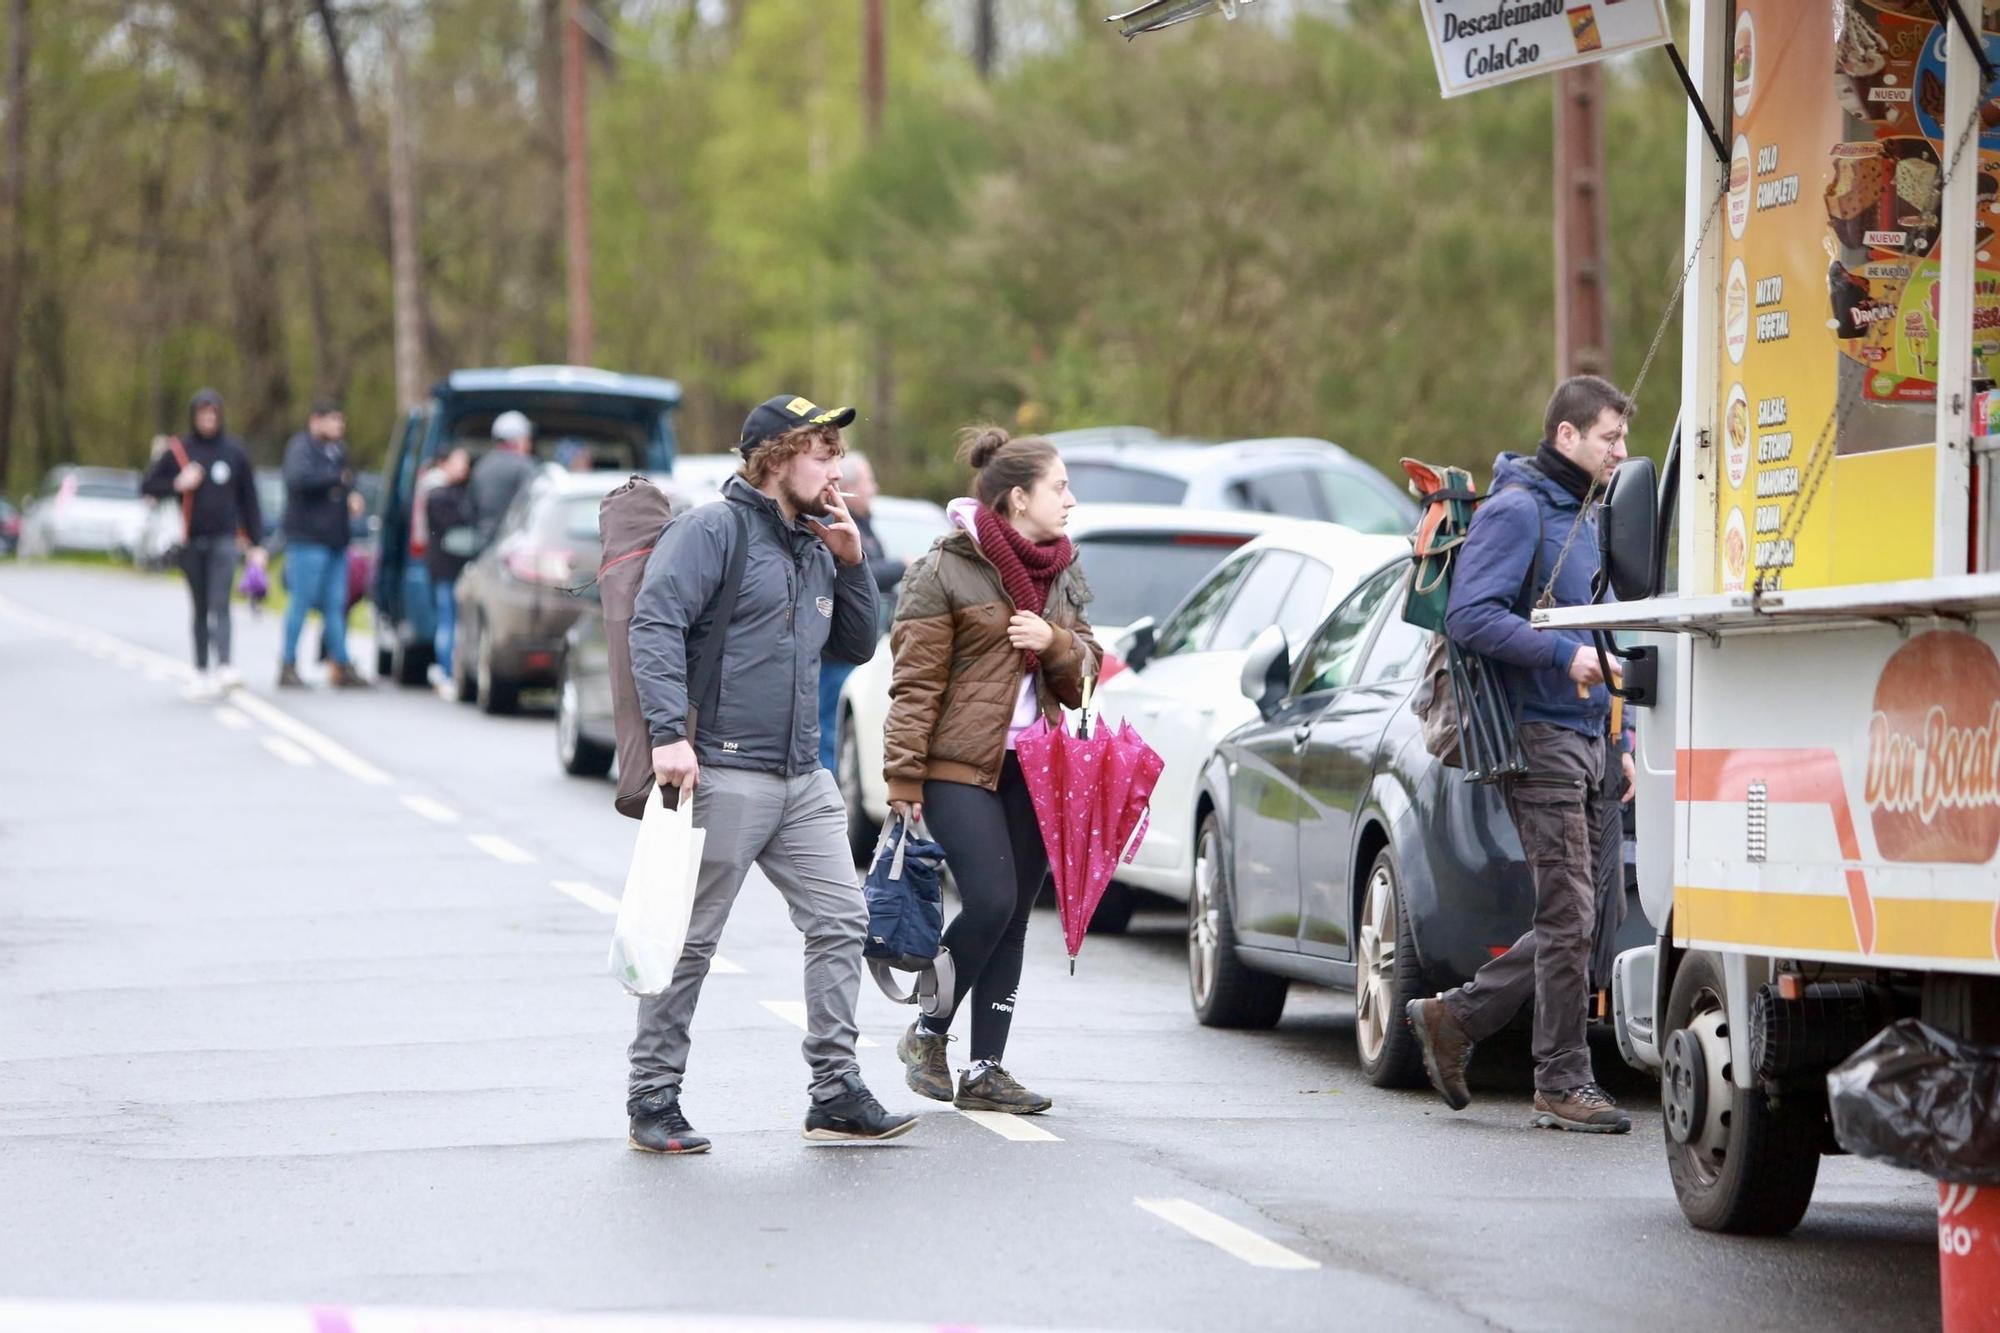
(1335, 850)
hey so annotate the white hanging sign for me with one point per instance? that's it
(1481, 43)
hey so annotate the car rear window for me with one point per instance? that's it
(1147, 574)
(1109, 483)
(107, 490)
(578, 516)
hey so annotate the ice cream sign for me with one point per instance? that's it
(1481, 43)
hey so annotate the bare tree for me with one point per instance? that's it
(985, 37)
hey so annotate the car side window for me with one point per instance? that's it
(1332, 659)
(1353, 503)
(1398, 652)
(1257, 601)
(1187, 630)
(1288, 493)
(1301, 611)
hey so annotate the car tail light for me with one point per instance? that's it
(1232, 540)
(549, 566)
(1111, 666)
(11, 525)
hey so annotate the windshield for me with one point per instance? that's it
(1108, 483)
(1147, 574)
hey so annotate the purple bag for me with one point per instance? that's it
(254, 585)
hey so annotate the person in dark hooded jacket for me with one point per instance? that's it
(209, 474)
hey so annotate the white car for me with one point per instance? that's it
(700, 477)
(1182, 693)
(95, 509)
(1140, 559)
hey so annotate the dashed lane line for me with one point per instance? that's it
(794, 1012)
(500, 849)
(1231, 1238)
(295, 755)
(335, 755)
(1019, 1128)
(598, 900)
(231, 718)
(434, 810)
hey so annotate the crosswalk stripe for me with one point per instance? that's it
(500, 849)
(1227, 1236)
(794, 1012)
(588, 894)
(232, 719)
(294, 755)
(434, 810)
(1019, 1128)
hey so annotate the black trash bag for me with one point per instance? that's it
(1921, 1099)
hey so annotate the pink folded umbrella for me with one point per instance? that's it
(1090, 792)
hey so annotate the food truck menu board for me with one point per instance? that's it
(1829, 300)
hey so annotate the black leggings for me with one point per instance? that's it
(210, 566)
(995, 850)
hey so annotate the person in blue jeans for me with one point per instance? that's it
(860, 477)
(317, 524)
(449, 519)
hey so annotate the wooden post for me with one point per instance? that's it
(403, 270)
(1583, 329)
(576, 180)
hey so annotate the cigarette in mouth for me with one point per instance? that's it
(847, 495)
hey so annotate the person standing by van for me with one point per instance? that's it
(208, 473)
(318, 525)
(989, 635)
(749, 756)
(450, 541)
(501, 472)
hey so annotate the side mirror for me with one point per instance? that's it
(1628, 530)
(1267, 670)
(1138, 644)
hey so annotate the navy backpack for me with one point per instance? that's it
(906, 919)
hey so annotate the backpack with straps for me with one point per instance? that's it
(630, 522)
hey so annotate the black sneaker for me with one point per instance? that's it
(854, 1115)
(659, 1126)
(994, 1089)
(1588, 1109)
(928, 1073)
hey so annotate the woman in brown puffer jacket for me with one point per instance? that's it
(989, 636)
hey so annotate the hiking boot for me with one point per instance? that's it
(659, 1126)
(288, 678)
(854, 1115)
(1446, 1050)
(994, 1089)
(926, 1070)
(345, 677)
(1586, 1109)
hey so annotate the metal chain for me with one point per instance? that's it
(1819, 463)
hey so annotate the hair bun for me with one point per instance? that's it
(978, 444)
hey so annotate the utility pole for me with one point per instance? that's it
(1583, 329)
(576, 180)
(872, 72)
(14, 263)
(874, 78)
(985, 37)
(403, 269)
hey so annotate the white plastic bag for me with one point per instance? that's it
(659, 898)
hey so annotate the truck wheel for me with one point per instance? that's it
(1741, 1163)
(1225, 992)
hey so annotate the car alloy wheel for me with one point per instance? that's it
(568, 725)
(1375, 979)
(1204, 919)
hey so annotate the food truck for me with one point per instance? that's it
(1814, 575)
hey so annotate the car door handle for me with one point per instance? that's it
(1300, 735)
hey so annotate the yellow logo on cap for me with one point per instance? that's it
(799, 407)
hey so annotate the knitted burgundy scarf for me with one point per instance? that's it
(1027, 570)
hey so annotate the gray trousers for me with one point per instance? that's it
(1557, 809)
(795, 831)
(210, 566)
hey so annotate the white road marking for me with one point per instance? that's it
(588, 894)
(1020, 1128)
(290, 753)
(1225, 1235)
(232, 719)
(336, 755)
(435, 811)
(720, 966)
(501, 850)
(794, 1012)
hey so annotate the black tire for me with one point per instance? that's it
(862, 832)
(463, 687)
(411, 661)
(498, 695)
(1114, 911)
(1754, 1174)
(385, 663)
(1224, 991)
(579, 756)
(1386, 980)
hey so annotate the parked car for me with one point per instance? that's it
(1296, 478)
(519, 597)
(10, 529)
(1334, 849)
(700, 476)
(1140, 561)
(1180, 687)
(90, 509)
(625, 420)
(587, 740)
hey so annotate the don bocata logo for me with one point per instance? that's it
(1933, 778)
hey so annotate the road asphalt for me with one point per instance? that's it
(305, 1006)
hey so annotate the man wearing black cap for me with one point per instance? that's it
(318, 480)
(748, 754)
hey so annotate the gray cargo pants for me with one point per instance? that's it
(1556, 809)
(795, 831)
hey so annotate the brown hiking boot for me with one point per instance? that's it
(288, 678)
(1587, 1109)
(346, 678)
(1446, 1050)
(994, 1089)
(927, 1072)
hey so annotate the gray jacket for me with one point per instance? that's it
(497, 478)
(796, 603)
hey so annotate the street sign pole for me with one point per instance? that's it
(1583, 333)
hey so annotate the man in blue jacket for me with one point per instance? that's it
(1535, 544)
(318, 480)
